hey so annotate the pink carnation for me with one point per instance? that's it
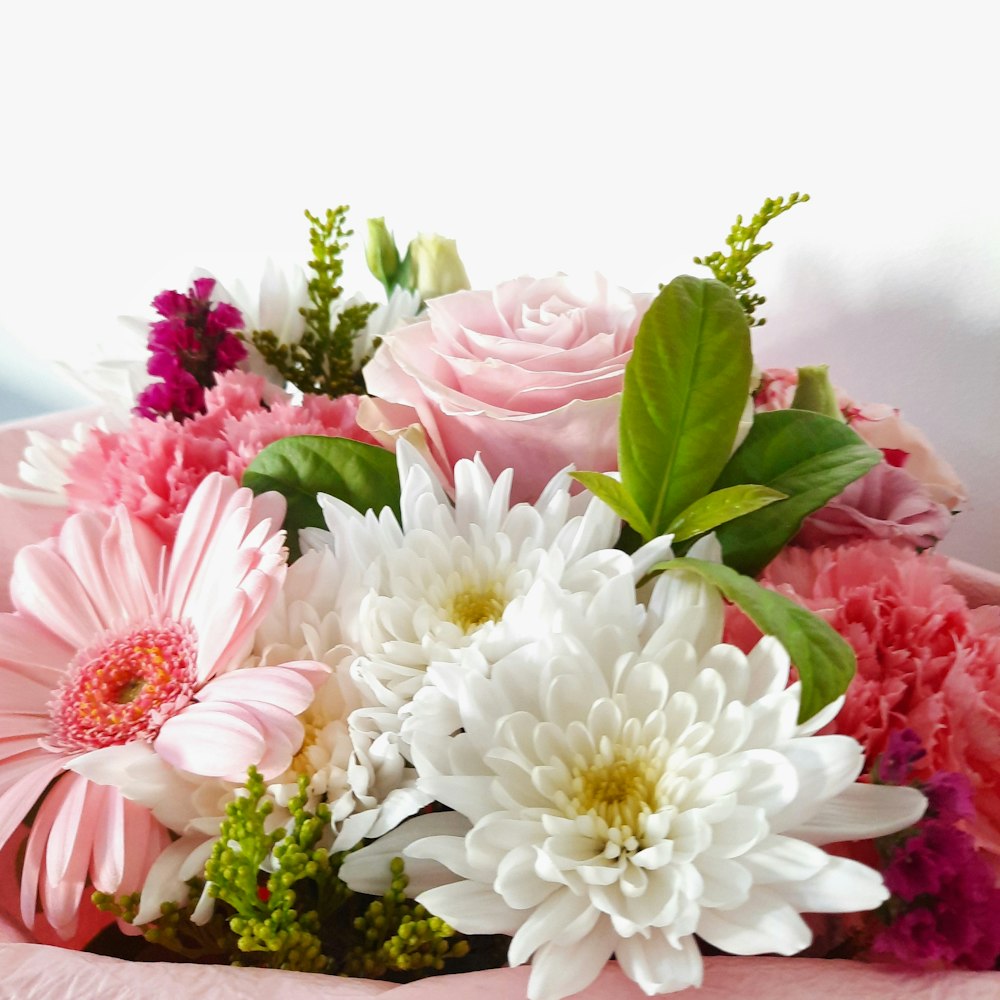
(925, 660)
(154, 466)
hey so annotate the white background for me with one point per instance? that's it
(138, 140)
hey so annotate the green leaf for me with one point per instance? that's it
(686, 387)
(824, 661)
(300, 467)
(807, 456)
(615, 496)
(717, 508)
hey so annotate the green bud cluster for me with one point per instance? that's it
(123, 908)
(173, 929)
(301, 916)
(732, 267)
(322, 361)
(398, 935)
(279, 922)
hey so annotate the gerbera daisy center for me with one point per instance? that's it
(125, 687)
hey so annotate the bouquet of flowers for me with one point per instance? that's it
(484, 628)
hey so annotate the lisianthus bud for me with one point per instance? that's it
(381, 253)
(436, 268)
(815, 392)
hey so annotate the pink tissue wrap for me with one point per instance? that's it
(33, 971)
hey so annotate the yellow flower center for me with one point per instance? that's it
(475, 606)
(619, 790)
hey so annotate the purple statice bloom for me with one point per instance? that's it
(949, 796)
(903, 750)
(928, 859)
(193, 341)
(954, 918)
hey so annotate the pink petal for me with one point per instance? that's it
(67, 854)
(29, 649)
(213, 741)
(59, 914)
(22, 731)
(131, 555)
(31, 778)
(197, 527)
(108, 862)
(46, 588)
(145, 840)
(290, 686)
(25, 694)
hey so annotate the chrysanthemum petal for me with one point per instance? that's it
(765, 923)
(471, 908)
(659, 966)
(860, 812)
(559, 971)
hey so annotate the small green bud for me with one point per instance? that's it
(435, 266)
(381, 253)
(816, 393)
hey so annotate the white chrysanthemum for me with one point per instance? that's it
(358, 772)
(462, 582)
(618, 790)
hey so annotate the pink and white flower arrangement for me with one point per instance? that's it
(120, 655)
(488, 628)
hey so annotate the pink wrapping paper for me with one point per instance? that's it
(38, 970)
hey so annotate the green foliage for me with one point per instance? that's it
(398, 935)
(300, 467)
(732, 267)
(808, 457)
(617, 497)
(323, 360)
(824, 661)
(717, 508)
(686, 386)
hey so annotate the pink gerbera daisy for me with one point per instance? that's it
(120, 655)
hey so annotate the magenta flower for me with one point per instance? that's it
(120, 660)
(192, 342)
(903, 750)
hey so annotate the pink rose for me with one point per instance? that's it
(882, 427)
(528, 375)
(884, 503)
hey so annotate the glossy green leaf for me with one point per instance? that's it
(809, 457)
(824, 661)
(686, 387)
(614, 495)
(301, 467)
(717, 508)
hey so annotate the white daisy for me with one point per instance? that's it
(618, 790)
(461, 583)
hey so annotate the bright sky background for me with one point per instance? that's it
(138, 140)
